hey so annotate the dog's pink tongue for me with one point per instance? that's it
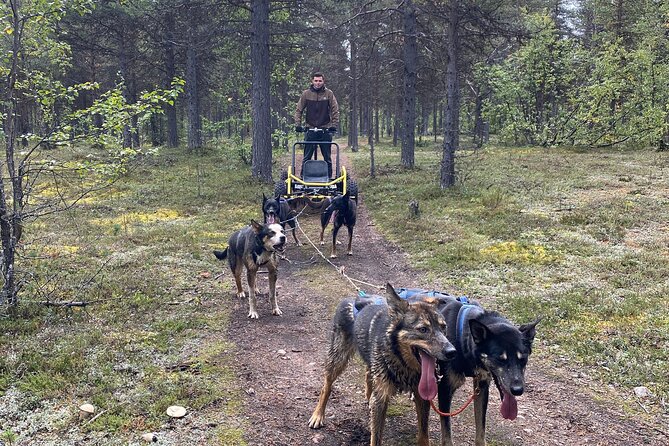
(270, 219)
(509, 407)
(427, 387)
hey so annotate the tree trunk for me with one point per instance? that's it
(435, 106)
(192, 87)
(410, 66)
(10, 213)
(397, 125)
(261, 164)
(123, 67)
(425, 119)
(170, 74)
(353, 136)
(478, 119)
(372, 164)
(452, 112)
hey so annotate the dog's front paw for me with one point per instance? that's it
(253, 314)
(241, 295)
(350, 253)
(316, 421)
(277, 312)
(322, 243)
(338, 242)
(333, 256)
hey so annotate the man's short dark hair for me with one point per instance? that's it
(317, 74)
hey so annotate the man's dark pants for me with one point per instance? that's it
(326, 149)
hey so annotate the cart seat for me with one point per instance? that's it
(315, 171)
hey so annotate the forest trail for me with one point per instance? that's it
(278, 361)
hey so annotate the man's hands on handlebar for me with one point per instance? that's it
(300, 129)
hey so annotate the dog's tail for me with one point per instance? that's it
(221, 255)
(342, 338)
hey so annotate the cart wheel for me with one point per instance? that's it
(280, 188)
(352, 189)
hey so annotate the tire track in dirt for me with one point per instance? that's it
(279, 365)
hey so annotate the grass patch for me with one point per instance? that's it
(558, 233)
(140, 251)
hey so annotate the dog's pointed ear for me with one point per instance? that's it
(257, 227)
(479, 331)
(529, 330)
(397, 304)
(264, 198)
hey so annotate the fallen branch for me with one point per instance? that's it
(65, 304)
(182, 302)
(95, 417)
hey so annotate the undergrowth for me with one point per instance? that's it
(577, 237)
(150, 334)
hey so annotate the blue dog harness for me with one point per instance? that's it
(467, 311)
(406, 293)
(378, 300)
(462, 316)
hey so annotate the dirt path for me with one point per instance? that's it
(279, 363)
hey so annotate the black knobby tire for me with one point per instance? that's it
(352, 189)
(280, 189)
(316, 203)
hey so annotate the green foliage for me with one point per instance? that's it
(554, 90)
(8, 436)
(625, 99)
(117, 112)
(532, 83)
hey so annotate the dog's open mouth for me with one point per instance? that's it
(280, 247)
(509, 407)
(427, 387)
(271, 218)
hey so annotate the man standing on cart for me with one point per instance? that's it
(322, 112)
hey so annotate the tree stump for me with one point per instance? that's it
(414, 209)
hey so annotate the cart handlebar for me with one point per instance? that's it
(315, 130)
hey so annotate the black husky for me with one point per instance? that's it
(278, 210)
(254, 246)
(345, 214)
(489, 348)
(400, 342)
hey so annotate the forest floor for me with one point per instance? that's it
(279, 365)
(255, 382)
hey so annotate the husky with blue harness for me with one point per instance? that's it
(489, 349)
(400, 342)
